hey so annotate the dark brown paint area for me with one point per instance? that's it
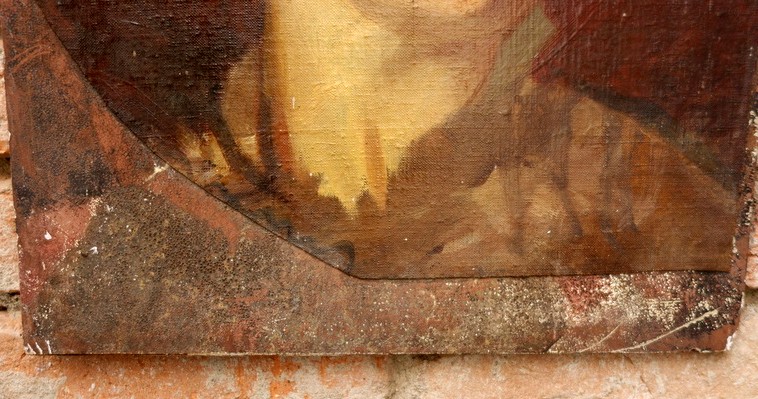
(626, 156)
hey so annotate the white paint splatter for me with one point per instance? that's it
(47, 236)
(730, 342)
(157, 170)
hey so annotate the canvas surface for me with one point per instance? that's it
(459, 139)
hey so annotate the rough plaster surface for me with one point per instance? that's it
(4, 135)
(8, 247)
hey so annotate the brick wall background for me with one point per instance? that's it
(733, 374)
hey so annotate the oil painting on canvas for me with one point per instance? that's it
(416, 139)
(413, 139)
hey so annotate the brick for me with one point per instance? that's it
(8, 241)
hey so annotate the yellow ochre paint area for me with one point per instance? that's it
(347, 97)
(442, 7)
